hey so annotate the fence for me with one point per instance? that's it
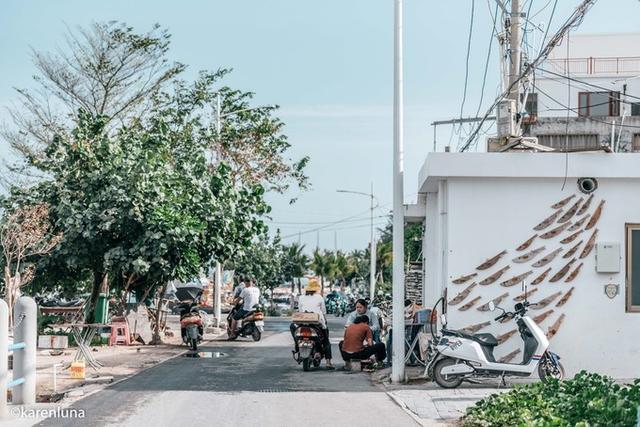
(23, 383)
(594, 65)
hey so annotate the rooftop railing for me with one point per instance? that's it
(623, 65)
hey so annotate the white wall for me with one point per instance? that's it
(488, 215)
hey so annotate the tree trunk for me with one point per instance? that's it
(321, 285)
(299, 286)
(157, 338)
(99, 277)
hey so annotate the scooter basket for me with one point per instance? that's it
(300, 317)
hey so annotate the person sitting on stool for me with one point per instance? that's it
(353, 347)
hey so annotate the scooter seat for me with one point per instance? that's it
(486, 340)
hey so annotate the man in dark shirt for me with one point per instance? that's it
(355, 336)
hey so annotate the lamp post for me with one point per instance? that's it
(217, 309)
(372, 245)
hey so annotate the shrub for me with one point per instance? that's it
(586, 400)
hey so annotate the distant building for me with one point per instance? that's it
(604, 89)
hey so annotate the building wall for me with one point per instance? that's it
(488, 215)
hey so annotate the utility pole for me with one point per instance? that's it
(515, 52)
(373, 253)
(397, 368)
(335, 241)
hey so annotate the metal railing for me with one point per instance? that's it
(23, 383)
(594, 65)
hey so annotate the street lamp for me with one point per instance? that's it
(372, 245)
(217, 302)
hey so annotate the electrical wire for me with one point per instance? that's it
(323, 223)
(566, 138)
(486, 63)
(466, 73)
(546, 32)
(573, 79)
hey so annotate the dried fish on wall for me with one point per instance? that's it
(563, 271)
(596, 216)
(495, 276)
(553, 329)
(529, 255)
(541, 317)
(565, 297)
(579, 223)
(502, 338)
(590, 243)
(491, 261)
(573, 274)
(516, 279)
(463, 279)
(571, 212)
(547, 259)
(527, 243)
(497, 300)
(541, 277)
(562, 202)
(547, 221)
(509, 357)
(554, 232)
(573, 250)
(475, 328)
(527, 294)
(545, 301)
(586, 205)
(571, 238)
(470, 304)
(462, 295)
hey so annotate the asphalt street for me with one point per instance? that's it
(251, 383)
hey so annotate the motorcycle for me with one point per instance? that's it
(191, 324)
(455, 356)
(308, 336)
(250, 325)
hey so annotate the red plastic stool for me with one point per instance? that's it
(119, 333)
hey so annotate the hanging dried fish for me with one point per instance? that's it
(563, 271)
(527, 243)
(509, 357)
(462, 295)
(553, 233)
(541, 277)
(463, 279)
(516, 279)
(586, 205)
(470, 304)
(497, 300)
(596, 216)
(475, 328)
(579, 223)
(502, 338)
(540, 317)
(495, 276)
(548, 221)
(527, 294)
(547, 259)
(571, 212)
(545, 301)
(573, 250)
(573, 274)
(565, 297)
(571, 238)
(553, 329)
(529, 255)
(491, 261)
(590, 243)
(562, 202)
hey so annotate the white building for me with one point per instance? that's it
(478, 205)
(595, 81)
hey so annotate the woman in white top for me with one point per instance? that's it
(313, 302)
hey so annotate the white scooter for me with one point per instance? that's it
(456, 356)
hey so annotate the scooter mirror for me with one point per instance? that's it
(492, 306)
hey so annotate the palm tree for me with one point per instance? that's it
(344, 268)
(324, 266)
(295, 264)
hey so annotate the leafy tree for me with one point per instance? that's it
(263, 261)
(294, 265)
(323, 265)
(344, 266)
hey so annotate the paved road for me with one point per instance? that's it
(252, 384)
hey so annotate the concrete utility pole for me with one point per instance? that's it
(397, 369)
(515, 52)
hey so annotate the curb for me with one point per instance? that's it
(405, 408)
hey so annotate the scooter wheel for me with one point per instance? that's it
(446, 381)
(306, 364)
(256, 334)
(194, 344)
(547, 373)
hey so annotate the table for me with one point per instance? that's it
(83, 333)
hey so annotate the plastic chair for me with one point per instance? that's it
(119, 332)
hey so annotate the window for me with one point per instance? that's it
(635, 147)
(635, 109)
(633, 267)
(591, 104)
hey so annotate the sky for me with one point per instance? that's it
(329, 66)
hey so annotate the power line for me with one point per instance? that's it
(546, 32)
(324, 222)
(486, 64)
(573, 79)
(466, 75)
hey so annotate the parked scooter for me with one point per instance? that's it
(308, 335)
(250, 325)
(455, 356)
(191, 324)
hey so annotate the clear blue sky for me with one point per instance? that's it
(328, 65)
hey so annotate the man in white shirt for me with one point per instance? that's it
(313, 302)
(250, 295)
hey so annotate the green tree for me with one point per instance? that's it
(262, 260)
(295, 265)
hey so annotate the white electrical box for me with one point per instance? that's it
(608, 257)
